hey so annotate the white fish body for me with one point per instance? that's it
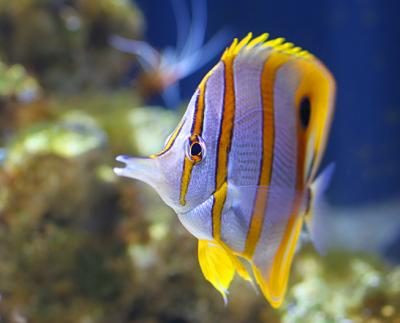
(239, 168)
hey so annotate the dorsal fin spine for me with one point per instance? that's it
(277, 44)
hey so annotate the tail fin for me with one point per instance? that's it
(313, 217)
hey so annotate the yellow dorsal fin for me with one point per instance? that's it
(277, 44)
(258, 40)
(219, 265)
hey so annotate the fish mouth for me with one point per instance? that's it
(144, 169)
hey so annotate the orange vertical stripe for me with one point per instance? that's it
(224, 145)
(306, 70)
(319, 86)
(284, 255)
(271, 66)
(315, 85)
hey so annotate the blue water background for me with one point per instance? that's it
(360, 42)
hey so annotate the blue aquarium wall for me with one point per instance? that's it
(360, 42)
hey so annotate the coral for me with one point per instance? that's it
(79, 245)
(60, 247)
(75, 54)
(20, 95)
(124, 121)
(343, 287)
(15, 82)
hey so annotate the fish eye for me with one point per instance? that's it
(305, 112)
(195, 149)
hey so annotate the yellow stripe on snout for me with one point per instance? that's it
(171, 140)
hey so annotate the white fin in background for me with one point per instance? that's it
(314, 214)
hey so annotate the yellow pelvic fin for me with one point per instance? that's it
(273, 284)
(219, 265)
(216, 265)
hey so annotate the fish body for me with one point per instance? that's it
(239, 168)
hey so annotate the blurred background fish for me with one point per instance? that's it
(162, 70)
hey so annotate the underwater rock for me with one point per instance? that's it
(125, 121)
(343, 287)
(160, 121)
(50, 170)
(76, 54)
(78, 244)
(74, 136)
(21, 100)
(62, 258)
(16, 83)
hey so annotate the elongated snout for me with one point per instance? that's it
(144, 169)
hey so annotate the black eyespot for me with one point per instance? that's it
(305, 112)
(196, 149)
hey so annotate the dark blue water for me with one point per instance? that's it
(360, 42)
